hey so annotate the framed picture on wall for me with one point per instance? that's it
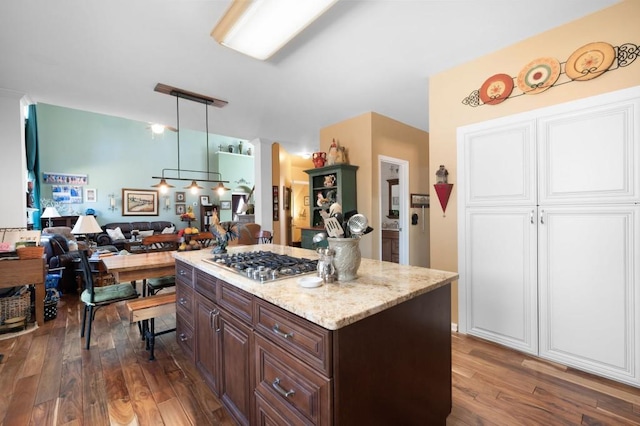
(204, 200)
(139, 202)
(180, 197)
(90, 195)
(181, 209)
(419, 200)
(225, 205)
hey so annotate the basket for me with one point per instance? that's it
(34, 252)
(50, 310)
(15, 306)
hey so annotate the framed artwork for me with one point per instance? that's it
(419, 200)
(276, 205)
(139, 202)
(204, 200)
(306, 200)
(180, 197)
(181, 209)
(64, 179)
(68, 194)
(286, 195)
(225, 205)
(90, 195)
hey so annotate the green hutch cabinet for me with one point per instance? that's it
(328, 185)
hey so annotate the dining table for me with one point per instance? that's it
(141, 266)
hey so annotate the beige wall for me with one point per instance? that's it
(367, 136)
(615, 25)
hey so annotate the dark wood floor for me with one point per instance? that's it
(47, 378)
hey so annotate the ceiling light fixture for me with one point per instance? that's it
(194, 187)
(259, 28)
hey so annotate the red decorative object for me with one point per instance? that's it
(319, 159)
(444, 191)
(496, 89)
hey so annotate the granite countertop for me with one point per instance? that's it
(379, 286)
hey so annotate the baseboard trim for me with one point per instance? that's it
(454, 327)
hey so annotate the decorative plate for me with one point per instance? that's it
(496, 89)
(538, 75)
(310, 282)
(590, 61)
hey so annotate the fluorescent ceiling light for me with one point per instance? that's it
(259, 28)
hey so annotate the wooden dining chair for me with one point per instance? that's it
(159, 242)
(205, 239)
(97, 297)
(264, 237)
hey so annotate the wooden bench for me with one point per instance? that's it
(144, 311)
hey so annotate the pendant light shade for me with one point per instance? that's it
(220, 188)
(163, 186)
(194, 187)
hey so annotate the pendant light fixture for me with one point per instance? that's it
(178, 175)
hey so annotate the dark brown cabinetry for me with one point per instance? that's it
(69, 221)
(391, 246)
(269, 366)
(206, 215)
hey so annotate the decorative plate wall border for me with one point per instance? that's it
(585, 63)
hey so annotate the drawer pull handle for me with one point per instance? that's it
(280, 390)
(182, 272)
(183, 337)
(276, 329)
(183, 301)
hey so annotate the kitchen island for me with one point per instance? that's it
(375, 350)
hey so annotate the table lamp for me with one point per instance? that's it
(48, 213)
(86, 225)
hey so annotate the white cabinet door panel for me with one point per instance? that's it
(589, 292)
(590, 155)
(500, 276)
(498, 166)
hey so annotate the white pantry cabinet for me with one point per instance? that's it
(549, 233)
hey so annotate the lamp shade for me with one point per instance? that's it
(86, 225)
(50, 212)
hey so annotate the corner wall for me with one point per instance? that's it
(367, 136)
(616, 25)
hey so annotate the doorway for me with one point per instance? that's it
(394, 203)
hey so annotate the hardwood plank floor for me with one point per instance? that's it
(47, 378)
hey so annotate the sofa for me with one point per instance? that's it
(157, 227)
(63, 261)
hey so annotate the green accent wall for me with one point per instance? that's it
(117, 153)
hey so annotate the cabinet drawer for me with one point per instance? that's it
(184, 273)
(283, 381)
(184, 300)
(238, 302)
(267, 414)
(305, 340)
(184, 334)
(206, 285)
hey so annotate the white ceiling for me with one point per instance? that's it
(106, 56)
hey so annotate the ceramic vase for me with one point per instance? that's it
(347, 258)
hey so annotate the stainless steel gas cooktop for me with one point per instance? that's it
(264, 265)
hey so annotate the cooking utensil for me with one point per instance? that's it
(320, 236)
(333, 227)
(357, 224)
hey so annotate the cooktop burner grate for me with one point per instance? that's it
(264, 265)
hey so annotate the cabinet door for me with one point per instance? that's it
(235, 352)
(590, 154)
(496, 162)
(498, 274)
(207, 351)
(589, 289)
